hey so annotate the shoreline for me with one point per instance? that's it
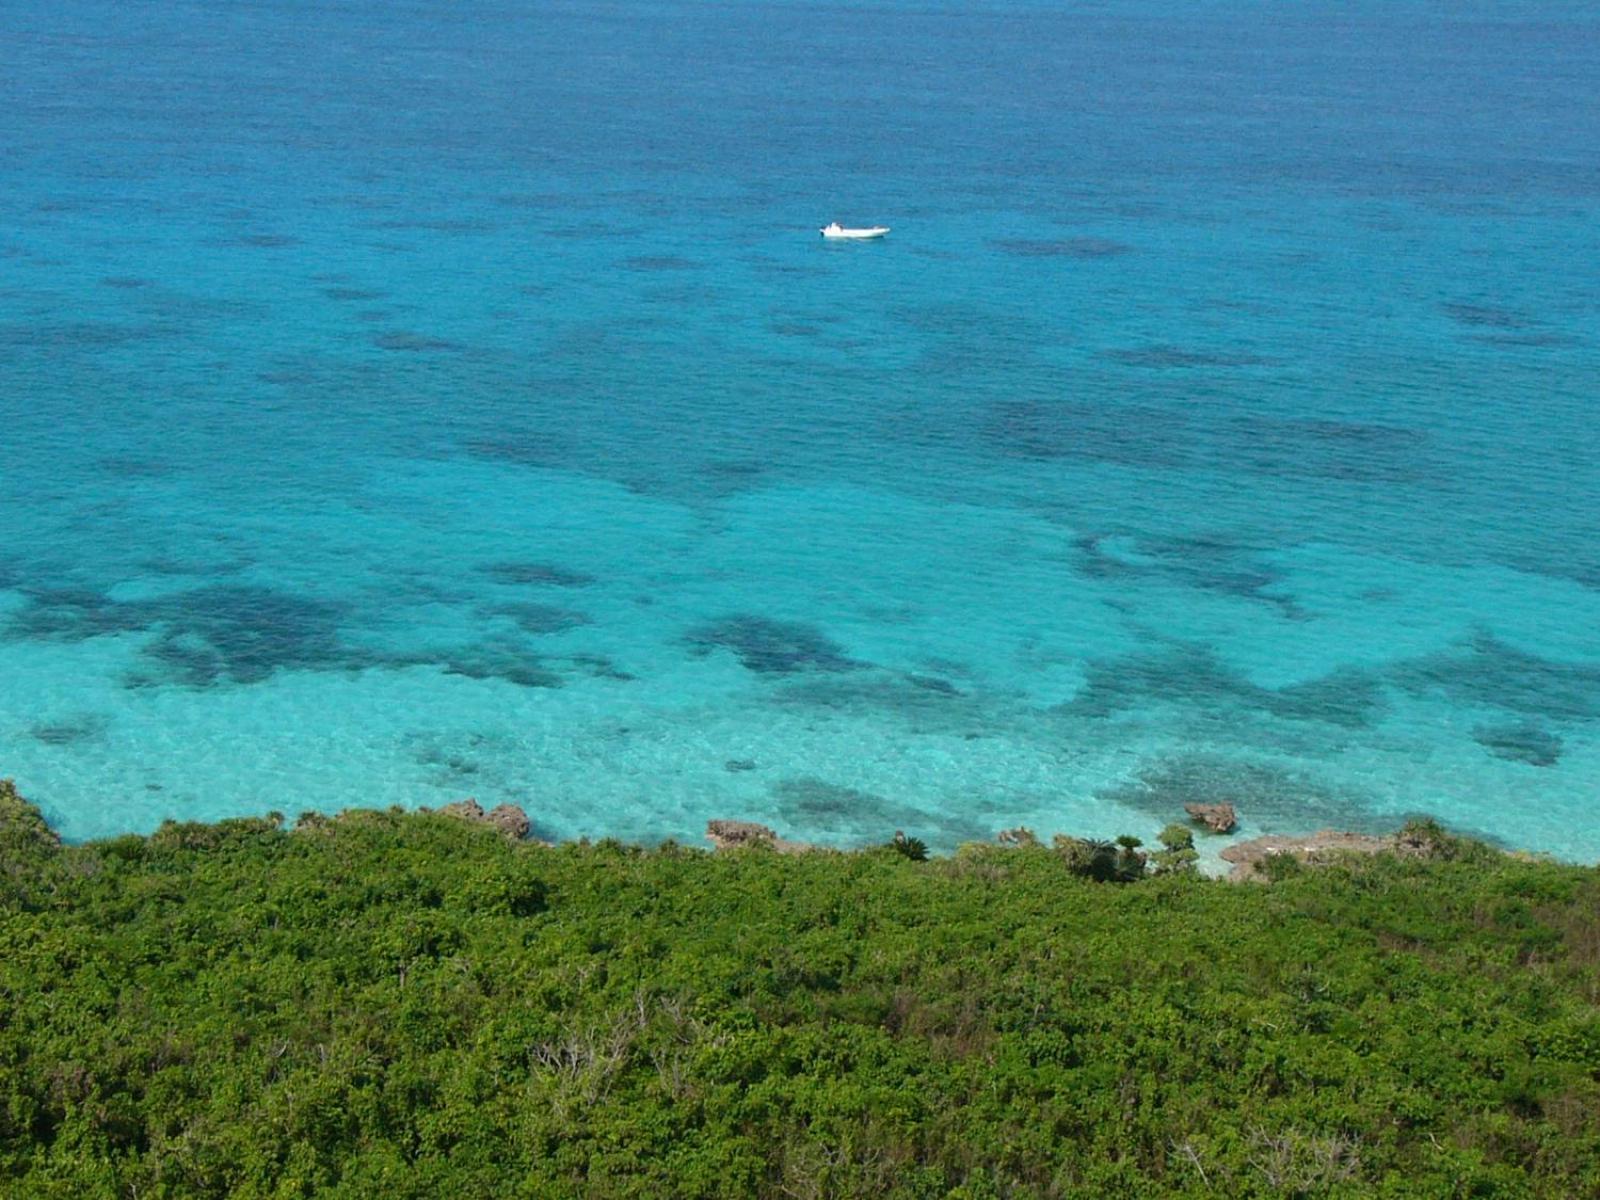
(1239, 860)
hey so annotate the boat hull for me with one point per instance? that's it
(835, 233)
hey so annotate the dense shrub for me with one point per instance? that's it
(909, 847)
(409, 1006)
(1177, 855)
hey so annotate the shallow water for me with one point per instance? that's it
(415, 401)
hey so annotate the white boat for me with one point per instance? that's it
(836, 230)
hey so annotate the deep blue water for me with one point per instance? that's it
(409, 401)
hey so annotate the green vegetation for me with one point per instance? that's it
(411, 1006)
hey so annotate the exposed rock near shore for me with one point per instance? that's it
(1321, 847)
(1020, 836)
(731, 835)
(1217, 818)
(507, 818)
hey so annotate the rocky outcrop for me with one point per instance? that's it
(1313, 848)
(1217, 818)
(510, 820)
(733, 835)
(1020, 836)
(507, 818)
(727, 835)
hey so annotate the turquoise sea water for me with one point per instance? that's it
(411, 401)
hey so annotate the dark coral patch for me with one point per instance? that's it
(539, 574)
(919, 705)
(585, 233)
(242, 634)
(966, 338)
(724, 477)
(71, 614)
(507, 660)
(658, 262)
(1171, 357)
(1176, 675)
(1208, 562)
(405, 341)
(264, 241)
(851, 816)
(124, 282)
(1527, 341)
(1360, 435)
(1486, 671)
(1354, 451)
(71, 732)
(522, 671)
(454, 767)
(67, 336)
(771, 647)
(540, 619)
(1524, 743)
(1077, 247)
(532, 449)
(434, 225)
(928, 704)
(202, 637)
(1129, 435)
(1485, 316)
(1347, 696)
(129, 466)
(733, 470)
(1194, 675)
(352, 294)
(453, 760)
(814, 800)
(1264, 794)
(598, 666)
(535, 200)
